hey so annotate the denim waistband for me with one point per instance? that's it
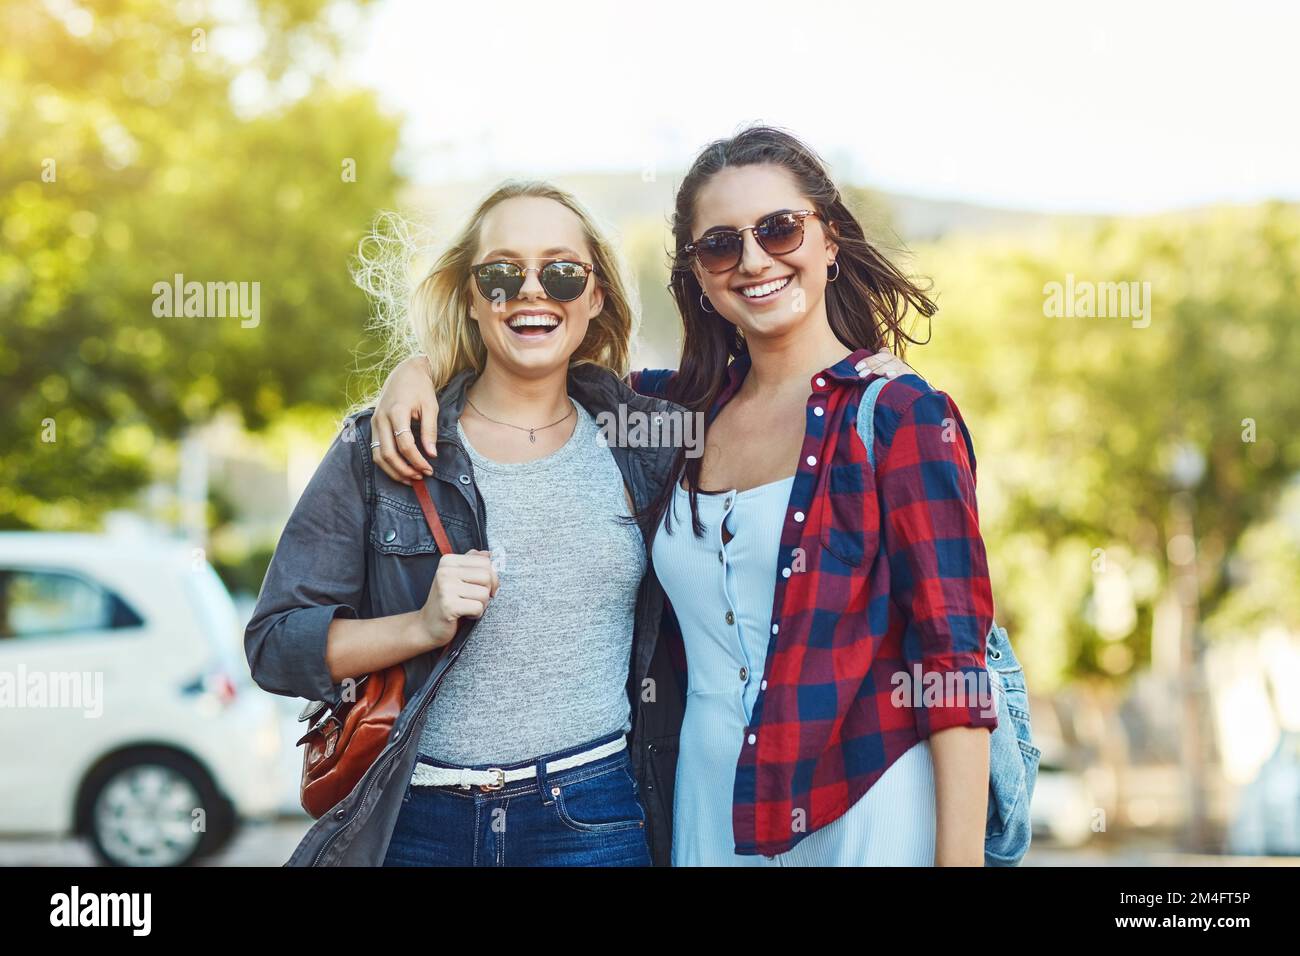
(541, 760)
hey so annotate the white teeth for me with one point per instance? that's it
(546, 321)
(767, 288)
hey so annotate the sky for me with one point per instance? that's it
(1097, 107)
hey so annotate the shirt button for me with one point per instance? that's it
(798, 516)
(785, 572)
(763, 686)
(775, 628)
(464, 479)
(390, 535)
(744, 673)
(753, 739)
(812, 460)
(731, 618)
(720, 558)
(821, 382)
(726, 503)
(819, 411)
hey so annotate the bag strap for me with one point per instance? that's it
(866, 417)
(431, 517)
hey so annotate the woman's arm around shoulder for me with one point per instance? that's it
(651, 382)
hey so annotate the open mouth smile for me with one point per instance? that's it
(533, 325)
(763, 291)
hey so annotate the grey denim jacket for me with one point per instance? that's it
(356, 545)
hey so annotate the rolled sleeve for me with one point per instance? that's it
(938, 566)
(317, 573)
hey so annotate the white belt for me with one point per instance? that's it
(427, 775)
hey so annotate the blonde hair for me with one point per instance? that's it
(434, 317)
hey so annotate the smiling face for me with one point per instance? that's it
(765, 295)
(532, 334)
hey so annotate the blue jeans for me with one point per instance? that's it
(585, 816)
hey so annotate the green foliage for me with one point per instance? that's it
(1078, 421)
(125, 161)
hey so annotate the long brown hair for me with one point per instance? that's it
(866, 306)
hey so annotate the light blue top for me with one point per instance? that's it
(722, 595)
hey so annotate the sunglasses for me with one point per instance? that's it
(562, 279)
(779, 234)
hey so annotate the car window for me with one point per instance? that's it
(41, 603)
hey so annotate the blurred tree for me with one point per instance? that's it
(1086, 427)
(130, 156)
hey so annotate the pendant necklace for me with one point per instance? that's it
(532, 432)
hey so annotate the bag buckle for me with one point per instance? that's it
(500, 781)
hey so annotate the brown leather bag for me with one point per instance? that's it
(346, 740)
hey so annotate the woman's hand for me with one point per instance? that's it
(462, 587)
(408, 401)
(885, 363)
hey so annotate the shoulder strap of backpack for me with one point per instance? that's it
(866, 416)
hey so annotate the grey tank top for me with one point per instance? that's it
(546, 666)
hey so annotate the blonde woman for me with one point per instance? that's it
(525, 650)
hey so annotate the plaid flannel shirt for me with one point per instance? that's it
(881, 610)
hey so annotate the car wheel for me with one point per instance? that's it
(143, 811)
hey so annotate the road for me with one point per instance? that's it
(269, 843)
(258, 843)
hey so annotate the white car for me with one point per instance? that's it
(127, 714)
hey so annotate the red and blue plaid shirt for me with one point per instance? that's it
(881, 610)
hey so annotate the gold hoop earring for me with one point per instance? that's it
(832, 278)
(704, 304)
